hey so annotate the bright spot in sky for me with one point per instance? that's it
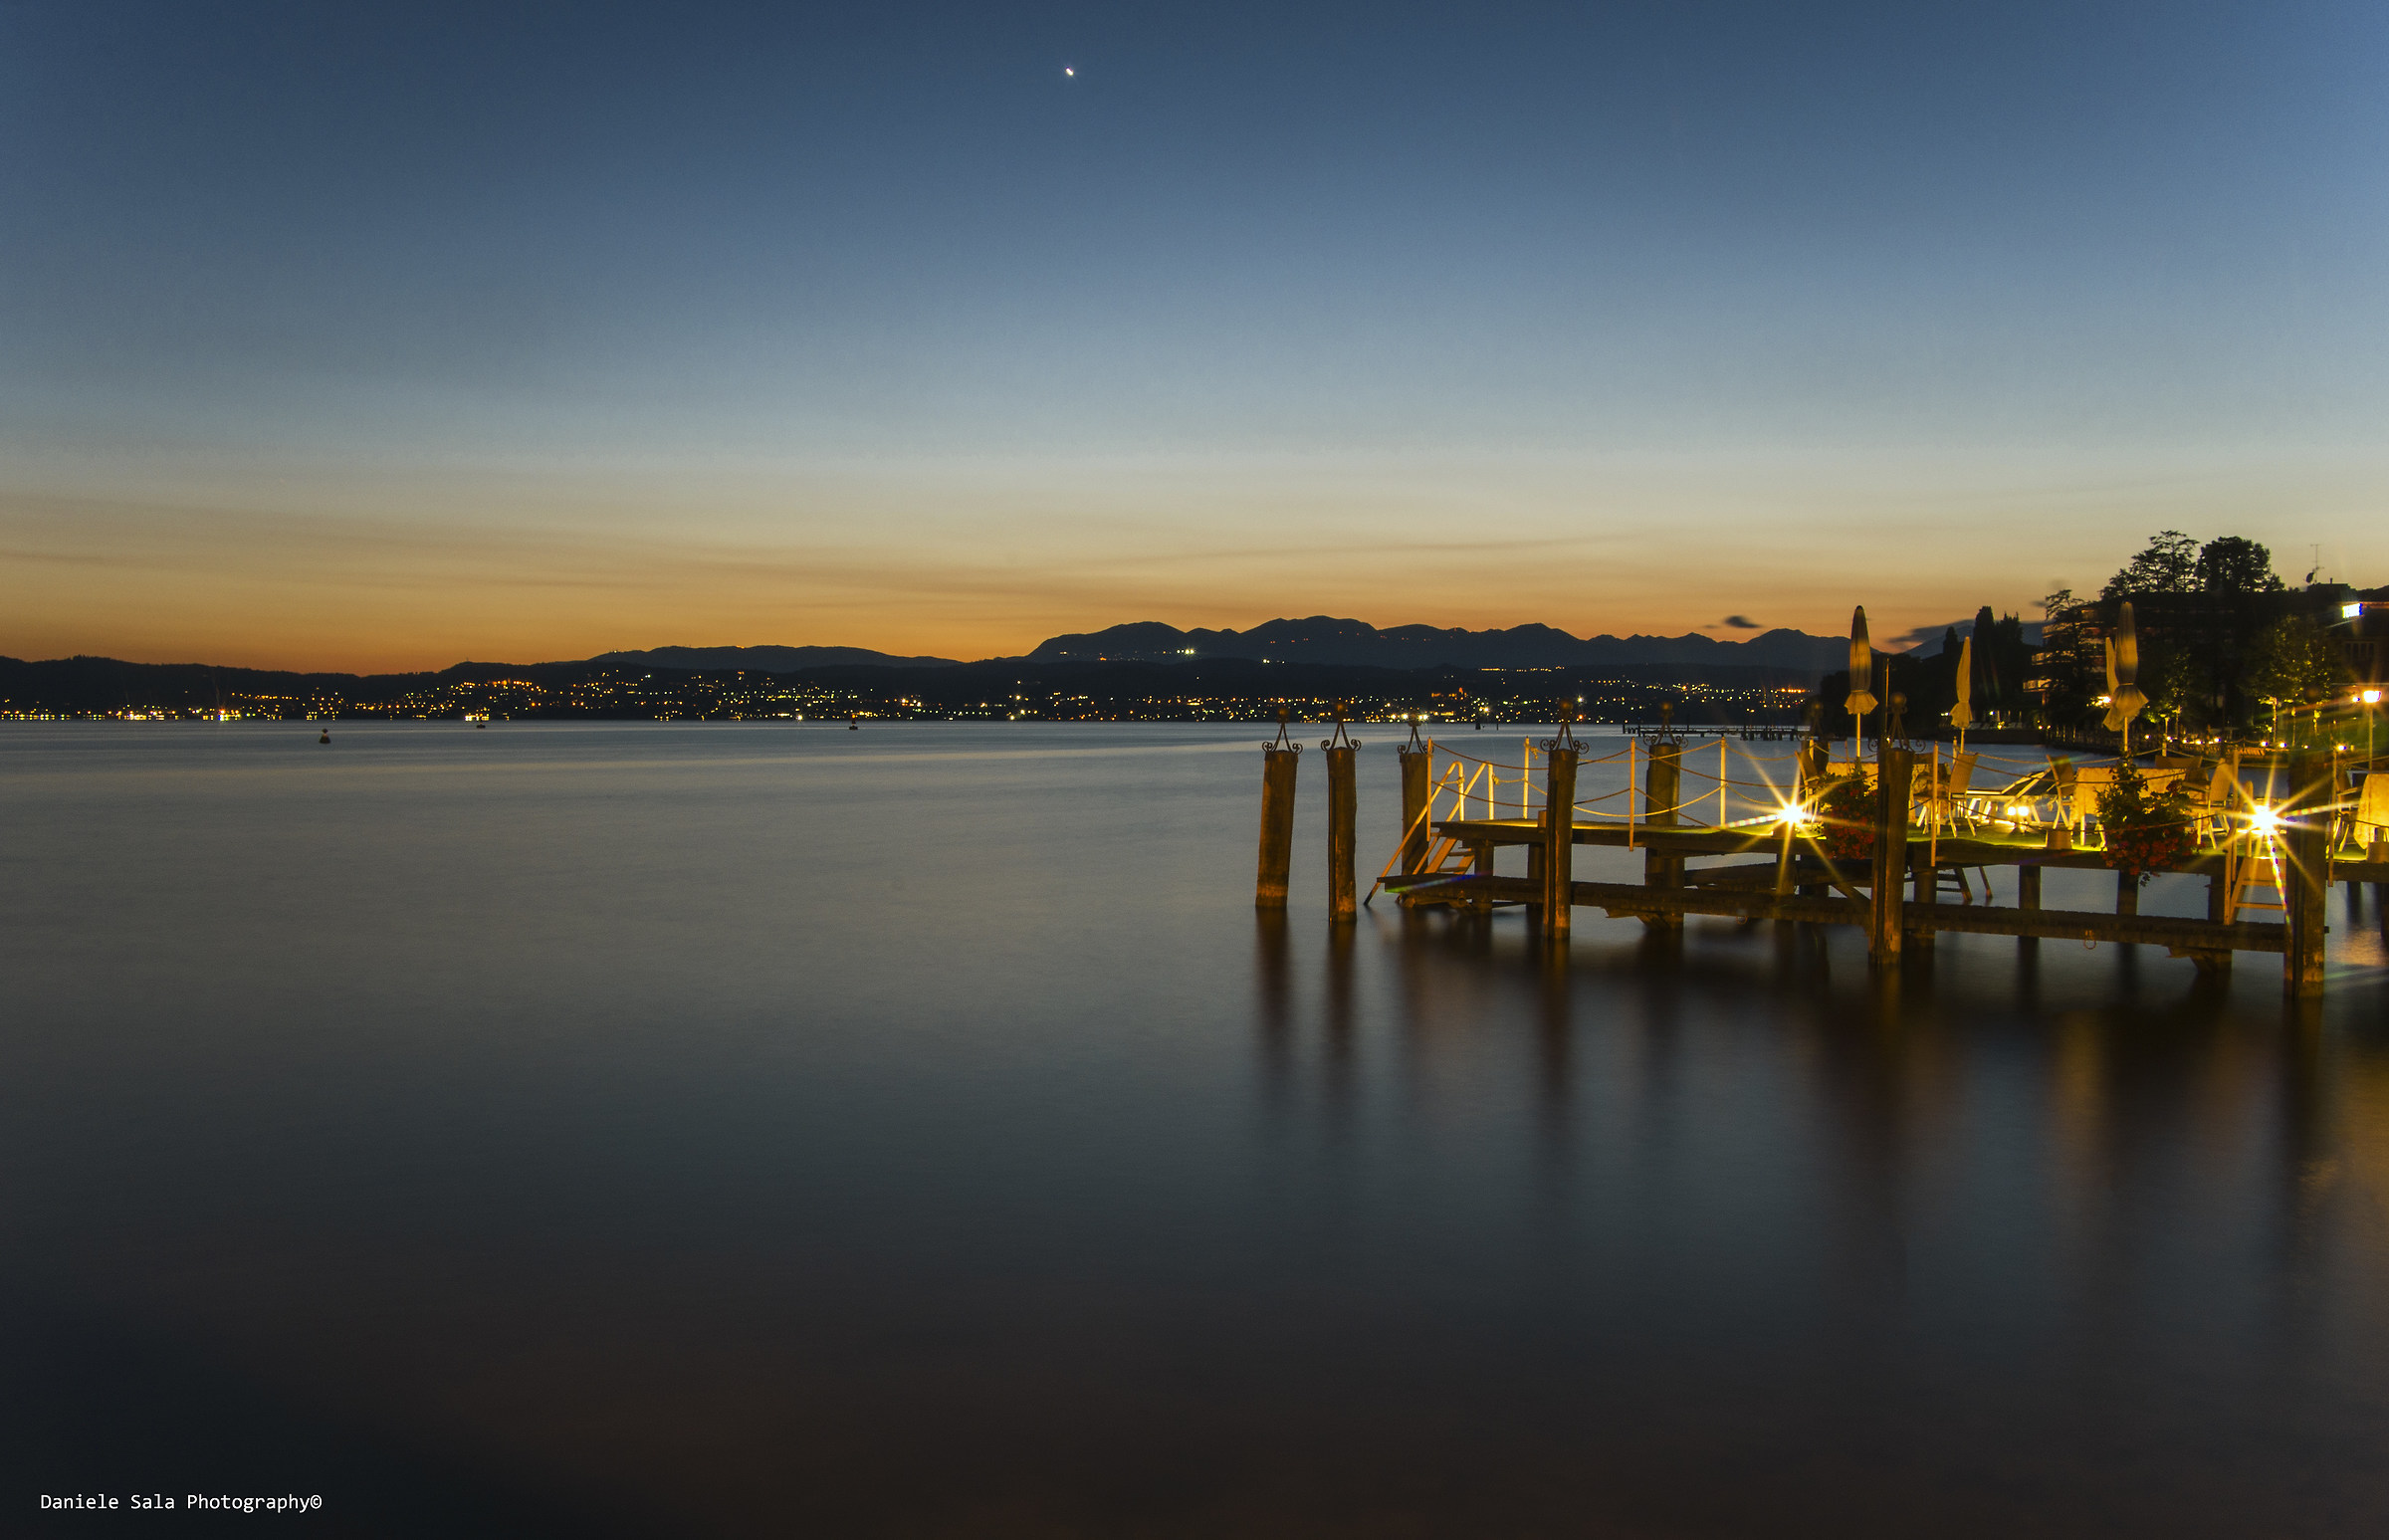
(1066, 69)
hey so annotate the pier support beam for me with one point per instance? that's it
(1893, 769)
(1343, 900)
(1660, 796)
(1558, 842)
(2306, 874)
(1925, 890)
(1277, 827)
(1416, 779)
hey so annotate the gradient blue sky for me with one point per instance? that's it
(371, 336)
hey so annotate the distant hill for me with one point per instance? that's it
(765, 660)
(1325, 639)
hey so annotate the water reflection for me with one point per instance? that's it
(2113, 1197)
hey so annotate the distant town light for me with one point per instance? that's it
(2372, 697)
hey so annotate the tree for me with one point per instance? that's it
(2053, 605)
(2176, 684)
(2235, 568)
(2292, 662)
(2168, 566)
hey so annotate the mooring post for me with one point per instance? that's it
(1416, 779)
(2306, 862)
(1559, 836)
(1343, 902)
(1277, 824)
(1892, 769)
(2128, 892)
(1927, 888)
(1663, 868)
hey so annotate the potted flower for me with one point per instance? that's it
(2145, 833)
(1847, 812)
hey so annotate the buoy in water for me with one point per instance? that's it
(853, 726)
(327, 737)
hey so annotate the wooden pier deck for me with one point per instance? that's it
(1967, 850)
(1803, 888)
(1899, 883)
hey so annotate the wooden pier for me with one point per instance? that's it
(1810, 890)
(1779, 869)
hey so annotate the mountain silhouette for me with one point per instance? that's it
(1327, 640)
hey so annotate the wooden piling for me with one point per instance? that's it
(1925, 889)
(1661, 794)
(1277, 827)
(1559, 841)
(1343, 899)
(2306, 874)
(2128, 892)
(1894, 770)
(1417, 779)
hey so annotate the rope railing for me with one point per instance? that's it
(1469, 785)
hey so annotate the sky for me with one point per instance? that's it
(377, 337)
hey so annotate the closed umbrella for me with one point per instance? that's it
(1961, 716)
(2125, 689)
(1862, 672)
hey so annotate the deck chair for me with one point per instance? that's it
(2211, 802)
(2027, 792)
(1955, 795)
(2089, 782)
(2343, 804)
(2372, 808)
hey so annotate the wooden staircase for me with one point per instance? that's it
(2249, 865)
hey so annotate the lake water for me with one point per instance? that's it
(591, 1129)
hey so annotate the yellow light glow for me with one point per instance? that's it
(2372, 697)
(2264, 821)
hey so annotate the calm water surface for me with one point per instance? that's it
(761, 1130)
